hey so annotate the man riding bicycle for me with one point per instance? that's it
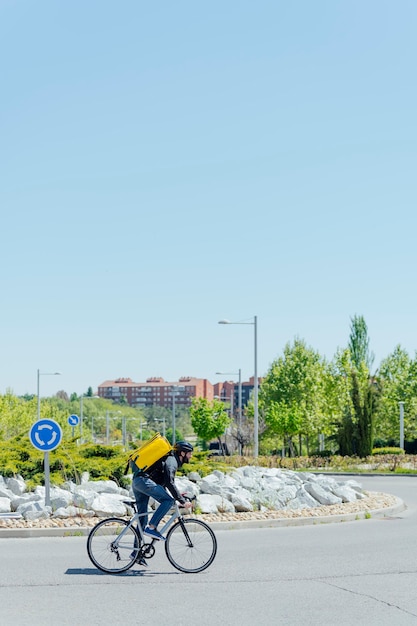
(156, 482)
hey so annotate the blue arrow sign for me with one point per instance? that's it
(73, 420)
(45, 435)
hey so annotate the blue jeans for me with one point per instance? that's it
(145, 488)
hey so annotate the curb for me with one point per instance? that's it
(80, 531)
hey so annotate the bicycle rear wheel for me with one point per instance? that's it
(190, 545)
(110, 550)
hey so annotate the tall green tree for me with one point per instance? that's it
(365, 412)
(292, 394)
(398, 376)
(209, 419)
(355, 430)
(359, 343)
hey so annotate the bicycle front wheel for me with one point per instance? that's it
(190, 545)
(112, 545)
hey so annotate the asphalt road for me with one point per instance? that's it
(357, 572)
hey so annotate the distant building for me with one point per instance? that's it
(156, 391)
(229, 392)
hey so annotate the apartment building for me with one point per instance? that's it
(229, 392)
(156, 391)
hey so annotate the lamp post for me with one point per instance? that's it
(163, 425)
(174, 387)
(38, 395)
(255, 394)
(82, 396)
(239, 373)
(107, 428)
(144, 424)
(45, 454)
(401, 424)
(125, 433)
(111, 416)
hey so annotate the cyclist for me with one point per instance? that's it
(159, 483)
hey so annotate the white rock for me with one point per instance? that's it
(241, 504)
(5, 505)
(4, 492)
(34, 510)
(16, 485)
(321, 495)
(106, 505)
(302, 500)
(60, 498)
(346, 493)
(194, 477)
(72, 511)
(101, 486)
(223, 504)
(24, 499)
(207, 503)
(83, 498)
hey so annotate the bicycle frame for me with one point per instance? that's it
(176, 514)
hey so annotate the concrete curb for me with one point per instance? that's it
(80, 531)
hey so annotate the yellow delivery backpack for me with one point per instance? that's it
(149, 453)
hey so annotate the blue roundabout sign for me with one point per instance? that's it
(45, 435)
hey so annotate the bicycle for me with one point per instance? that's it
(114, 545)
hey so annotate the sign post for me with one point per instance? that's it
(73, 421)
(46, 435)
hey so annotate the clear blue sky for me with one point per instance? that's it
(165, 165)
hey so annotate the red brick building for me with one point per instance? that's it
(156, 391)
(229, 391)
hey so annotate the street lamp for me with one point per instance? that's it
(82, 413)
(174, 391)
(239, 373)
(145, 424)
(255, 395)
(45, 454)
(38, 395)
(401, 424)
(163, 425)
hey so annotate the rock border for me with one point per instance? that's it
(377, 504)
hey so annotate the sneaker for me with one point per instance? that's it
(152, 532)
(141, 561)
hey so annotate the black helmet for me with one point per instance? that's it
(183, 446)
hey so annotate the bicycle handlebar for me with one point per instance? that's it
(188, 498)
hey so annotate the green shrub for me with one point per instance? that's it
(105, 452)
(390, 450)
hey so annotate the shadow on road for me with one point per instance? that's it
(90, 571)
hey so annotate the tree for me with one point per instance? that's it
(355, 430)
(16, 415)
(365, 412)
(292, 394)
(63, 395)
(359, 343)
(398, 376)
(209, 419)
